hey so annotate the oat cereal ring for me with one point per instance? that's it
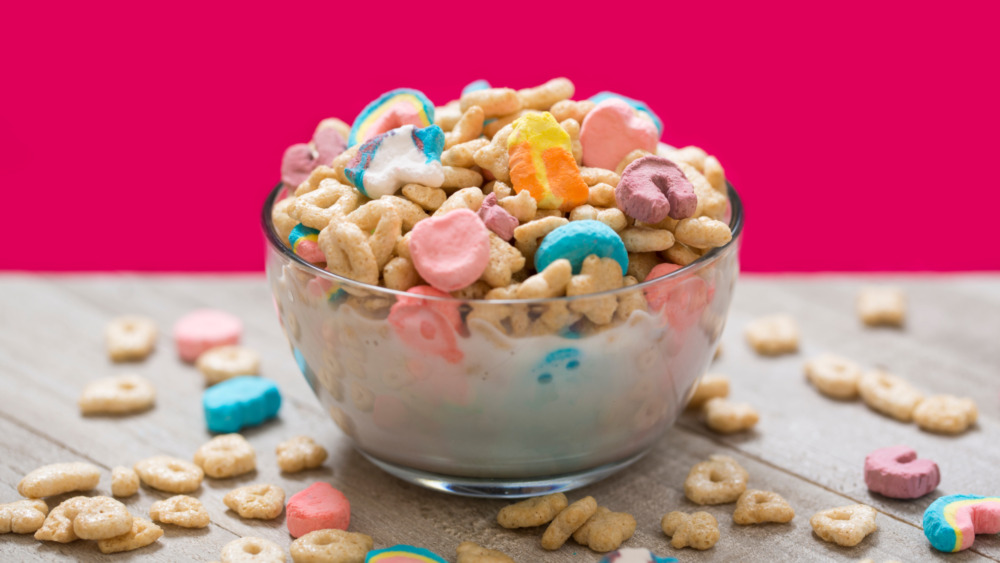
(550, 282)
(283, 222)
(593, 176)
(58, 525)
(462, 155)
(169, 474)
(572, 128)
(532, 512)
(568, 521)
(494, 101)
(710, 202)
(225, 362)
(629, 159)
(466, 198)
(180, 510)
(699, 530)
(252, 550)
(22, 516)
(612, 217)
(410, 213)
(605, 530)
(261, 501)
(331, 546)
(470, 552)
(596, 275)
(644, 239)
(882, 306)
(773, 335)
(124, 394)
(59, 478)
(96, 518)
(319, 207)
(493, 157)
(348, 253)
(727, 417)
(758, 507)
(425, 196)
(710, 386)
(227, 455)
(703, 232)
(715, 175)
(845, 525)
(130, 338)
(505, 261)
(381, 220)
(889, 394)
(569, 109)
(834, 376)
(720, 480)
(300, 453)
(399, 274)
(528, 235)
(124, 481)
(680, 254)
(945, 414)
(142, 533)
(469, 127)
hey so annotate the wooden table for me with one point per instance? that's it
(808, 448)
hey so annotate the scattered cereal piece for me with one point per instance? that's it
(773, 335)
(261, 501)
(605, 530)
(952, 522)
(58, 525)
(142, 533)
(727, 417)
(450, 251)
(180, 510)
(88, 518)
(394, 109)
(252, 550)
(568, 521)
(889, 394)
(169, 474)
(331, 546)
(612, 130)
(124, 481)
(227, 455)
(635, 555)
(241, 401)
(226, 362)
(404, 554)
(317, 507)
(710, 386)
(59, 478)
(130, 338)
(757, 507)
(834, 376)
(533, 511)
(699, 530)
(541, 162)
(845, 525)
(945, 414)
(882, 306)
(395, 158)
(299, 453)
(203, 329)
(896, 472)
(470, 552)
(22, 516)
(720, 480)
(124, 394)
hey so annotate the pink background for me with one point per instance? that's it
(862, 135)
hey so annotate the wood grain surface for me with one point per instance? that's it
(808, 448)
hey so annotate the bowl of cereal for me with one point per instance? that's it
(483, 309)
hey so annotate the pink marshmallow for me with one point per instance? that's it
(896, 472)
(496, 218)
(652, 187)
(296, 165)
(203, 329)
(612, 130)
(428, 326)
(318, 507)
(329, 141)
(450, 251)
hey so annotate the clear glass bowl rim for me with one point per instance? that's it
(709, 258)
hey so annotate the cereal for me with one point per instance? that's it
(409, 212)
(252, 550)
(447, 116)
(640, 264)
(331, 546)
(169, 474)
(505, 261)
(834, 376)
(522, 206)
(550, 282)
(727, 417)
(316, 178)
(528, 235)
(691, 156)
(952, 522)
(568, 521)
(605, 530)
(283, 222)
(142, 533)
(468, 127)
(500, 188)
(715, 175)
(238, 402)
(545, 96)
(596, 275)
(945, 414)
(401, 156)
(532, 512)
(123, 394)
(773, 335)
(339, 166)
(889, 394)
(450, 251)
(225, 456)
(631, 301)
(572, 128)
(23, 516)
(124, 481)
(703, 232)
(653, 188)
(710, 386)
(494, 101)
(644, 239)
(602, 195)
(612, 217)
(845, 525)
(465, 198)
(226, 362)
(882, 306)
(59, 478)
(396, 108)
(130, 338)
(541, 162)
(318, 507)
(612, 130)
(758, 507)
(895, 472)
(629, 159)
(58, 525)
(457, 178)
(88, 518)
(381, 220)
(261, 501)
(200, 330)
(640, 107)
(720, 480)
(569, 109)
(574, 241)
(681, 254)
(425, 196)
(347, 252)
(180, 510)
(470, 552)
(496, 218)
(710, 202)
(463, 155)
(699, 530)
(493, 157)
(300, 453)
(593, 176)
(318, 208)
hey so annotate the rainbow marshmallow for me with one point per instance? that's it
(401, 156)
(304, 241)
(393, 109)
(403, 554)
(952, 522)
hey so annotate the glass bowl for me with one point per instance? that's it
(503, 398)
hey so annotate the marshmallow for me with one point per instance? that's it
(403, 554)
(391, 110)
(652, 187)
(200, 330)
(952, 522)
(637, 105)
(496, 218)
(317, 507)
(430, 326)
(402, 156)
(541, 161)
(242, 401)
(299, 160)
(896, 472)
(304, 243)
(450, 251)
(611, 131)
(576, 240)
